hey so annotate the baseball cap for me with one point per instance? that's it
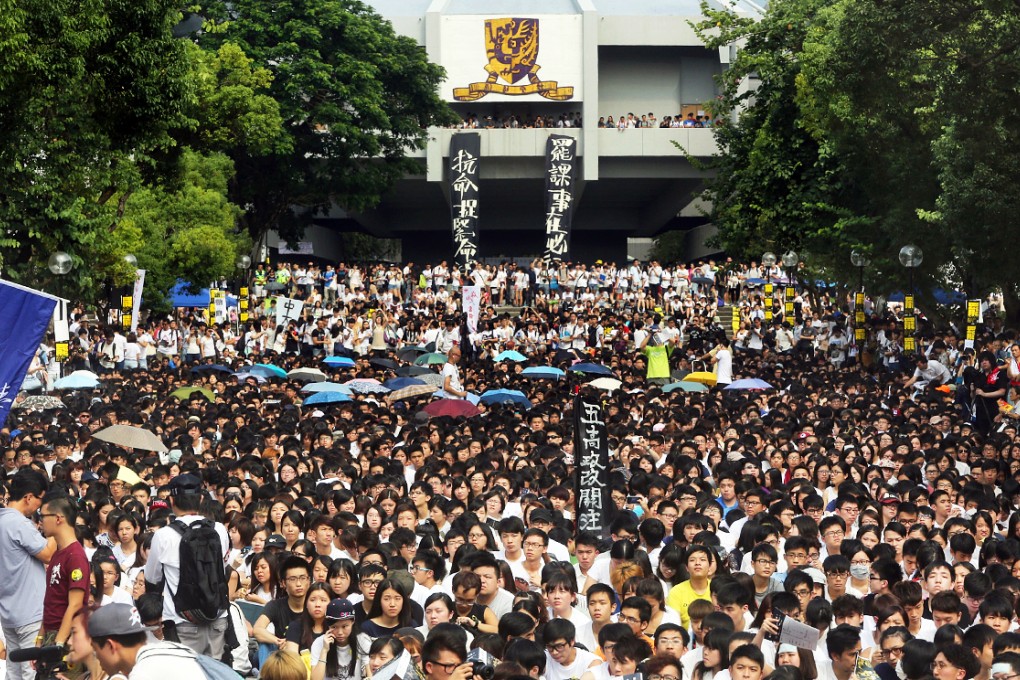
(541, 515)
(115, 619)
(276, 541)
(889, 498)
(816, 575)
(185, 484)
(936, 420)
(339, 609)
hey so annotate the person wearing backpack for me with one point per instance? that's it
(122, 645)
(187, 564)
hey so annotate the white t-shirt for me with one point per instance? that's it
(724, 366)
(451, 371)
(159, 660)
(165, 560)
(554, 671)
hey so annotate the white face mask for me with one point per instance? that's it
(860, 571)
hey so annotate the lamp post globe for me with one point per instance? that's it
(768, 259)
(911, 256)
(131, 260)
(243, 262)
(60, 263)
(791, 260)
(859, 259)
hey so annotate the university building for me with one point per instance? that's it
(515, 65)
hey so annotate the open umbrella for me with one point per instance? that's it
(339, 362)
(510, 355)
(593, 369)
(685, 386)
(268, 371)
(326, 398)
(243, 376)
(409, 354)
(131, 437)
(451, 407)
(430, 359)
(748, 384)
(515, 397)
(211, 368)
(413, 371)
(307, 375)
(703, 281)
(400, 383)
(367, 386)
(539, 372)
(384, 363)
(79, 380)
(411, 391)
(184, 393)
(327, 387)
(39, 402)
(703, 377)
(274, 287)
(563, 355)
(607, 384)
(431, 378)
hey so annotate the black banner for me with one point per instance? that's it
(465, 148)
(591, 457)
(560, 168)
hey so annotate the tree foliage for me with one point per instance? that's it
(875, 124)
(354, 97)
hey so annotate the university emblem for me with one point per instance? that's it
(512, 47)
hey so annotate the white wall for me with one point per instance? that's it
(659, 80)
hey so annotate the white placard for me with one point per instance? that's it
(472, 298)
(139, 285)
(288, 309)
(61, 325)
(795, 633)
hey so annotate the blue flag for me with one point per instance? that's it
(24, 316)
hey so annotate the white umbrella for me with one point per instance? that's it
(131, 437)
(608, 384)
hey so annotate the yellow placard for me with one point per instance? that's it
(909, 345)
(768, 289)
(909, 323)
(244, 316)
(61, 351)
(973, 310)
(244, 291)
(244, 303)
(859, 318)
(859, 335)
(127, 302)
(790, 293)
(125, 321)
(971, 332)
(859, 300)
(908, 303)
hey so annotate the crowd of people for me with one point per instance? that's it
(865, 493)
(510, 121)
(648, 120)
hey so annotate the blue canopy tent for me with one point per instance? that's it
(942, 296)
(179, 297)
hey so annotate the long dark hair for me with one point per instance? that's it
(333, 669)
(308, 633)
(404, 618)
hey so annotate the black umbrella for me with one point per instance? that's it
(703, 281)
(212, 368)
(409, 354)
(411, 371)
(564, 355)
(383, 363)
(275, 287)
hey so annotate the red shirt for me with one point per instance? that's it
(68, 570)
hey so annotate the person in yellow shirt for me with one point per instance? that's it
(701, 564)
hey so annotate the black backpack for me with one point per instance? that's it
(201, 595)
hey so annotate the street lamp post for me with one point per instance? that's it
(60, 265)
(790, 262)
(859, 260)
(243, 264)
(768, 260)
(911, 257)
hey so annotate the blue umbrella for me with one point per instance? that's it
(510, 355)
(268, 371)
(748, 384)
(514, 397)
(341, 362)
(400, 383)
(327, 398)
(242, 376)
(327, 387)
(594, 369)
(75, 381)
(685, 387)
(550, 372)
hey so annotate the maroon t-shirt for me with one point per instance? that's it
(68, 570)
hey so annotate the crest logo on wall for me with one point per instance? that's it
(512, 48)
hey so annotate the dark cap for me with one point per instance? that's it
(339, 609)
(185, 484)
(276, 541)
(115, 619)
(541, 515)
(889, 499)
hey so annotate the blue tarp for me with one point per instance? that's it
(180, 298)
(941, 295)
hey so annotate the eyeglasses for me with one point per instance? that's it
(532, 544)
(939, 665)
(413, 568)
(837, 574)
(893, 651)
(558, 647)
(765, 563)
(296, 579)
(372, 583)
(833, 533)
(656, 676)
(448, 668)
(802, 592)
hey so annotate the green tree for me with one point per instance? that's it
(189, 232)
(89, 92)
(354, 98)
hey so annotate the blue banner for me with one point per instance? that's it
(24, 316)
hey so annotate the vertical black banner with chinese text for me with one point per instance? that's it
(465, 148)
(591, 457)
(560, 169)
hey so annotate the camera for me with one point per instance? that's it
(482, 663)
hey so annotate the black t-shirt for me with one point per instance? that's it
(280, 615)
(294, 633)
